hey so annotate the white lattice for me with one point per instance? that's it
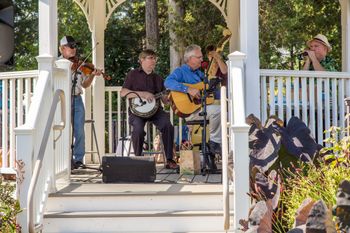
(87, 7)
(111, 5)
(221, 5)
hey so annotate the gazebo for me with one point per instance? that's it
(247, 94)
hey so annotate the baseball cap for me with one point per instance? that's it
(68, 40)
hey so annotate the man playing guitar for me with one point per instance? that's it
(189, 73)
(144, 83)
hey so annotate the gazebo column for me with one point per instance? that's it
(233, 24)
(47, 55)
(249, 44)
(98, 27)
(345, 25)
(48, 27)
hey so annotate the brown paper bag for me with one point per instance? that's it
(190, 162)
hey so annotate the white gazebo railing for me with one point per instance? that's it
(317, 98)
(235, 142)
(42, 143)
(115, 110)
(16, 92)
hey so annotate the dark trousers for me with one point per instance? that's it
(162, 121)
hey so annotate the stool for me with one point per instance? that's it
(208, 159)
(200, 123)
(148, 142)
(97, 151)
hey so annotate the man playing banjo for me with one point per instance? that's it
(142, 86)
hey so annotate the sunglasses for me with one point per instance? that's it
(71, 46)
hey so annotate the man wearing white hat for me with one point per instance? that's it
(68, 50)
(316, 55)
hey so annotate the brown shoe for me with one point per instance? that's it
(171, 164)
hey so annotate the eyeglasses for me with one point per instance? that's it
(151, 58)
(198, 57)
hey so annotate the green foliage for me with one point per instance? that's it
(72, 21)
(202, 24)
(9, 207)
(125, 39)
(26, 35)
(286, 25)
(339, 150)
(316, 182)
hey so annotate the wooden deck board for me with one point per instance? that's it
(164, 176)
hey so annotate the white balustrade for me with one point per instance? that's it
(317, 98)
(16, 91)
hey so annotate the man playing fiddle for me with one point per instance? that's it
(68, 50)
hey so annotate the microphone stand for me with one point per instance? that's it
(123, 108)
(203, 113)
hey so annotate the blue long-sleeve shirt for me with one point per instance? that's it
(183, 74)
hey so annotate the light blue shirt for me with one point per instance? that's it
(183, 74)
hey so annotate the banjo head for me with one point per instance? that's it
(146, 110)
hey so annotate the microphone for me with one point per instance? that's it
(204, 65)
(302, 55)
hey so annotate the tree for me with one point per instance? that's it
(152, 30)
(176, 11)
(283, 35)
(202, 24)
(26, 35)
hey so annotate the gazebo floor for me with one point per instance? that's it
(164, 175)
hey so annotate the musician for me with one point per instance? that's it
(316, 55)
(190, 73)
(68, 50)
(217, 74)
(143, 82)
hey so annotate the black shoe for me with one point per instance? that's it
(79, 164)
(212, 165)
(171, 164)
(214, 147)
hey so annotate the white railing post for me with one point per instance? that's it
(239, 140)
(62, 153)
(24, 141)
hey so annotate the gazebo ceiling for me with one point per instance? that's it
(88, 5)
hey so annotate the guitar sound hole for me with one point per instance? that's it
(197, 101)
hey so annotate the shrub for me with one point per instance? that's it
(318, 181)
(9, 207)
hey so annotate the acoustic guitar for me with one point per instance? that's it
(183, 104)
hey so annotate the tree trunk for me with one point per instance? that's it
(176, 11)
(152, 27)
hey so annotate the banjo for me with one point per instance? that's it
(142, 108)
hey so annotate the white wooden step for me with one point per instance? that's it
(120, 197)
(134, 221)
(135, 208)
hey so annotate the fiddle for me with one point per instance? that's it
(85, 67)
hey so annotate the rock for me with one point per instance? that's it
(261, 217)
(303, 211)
(342, 210)
(343, 194)
(319, 219)
(299, 229)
